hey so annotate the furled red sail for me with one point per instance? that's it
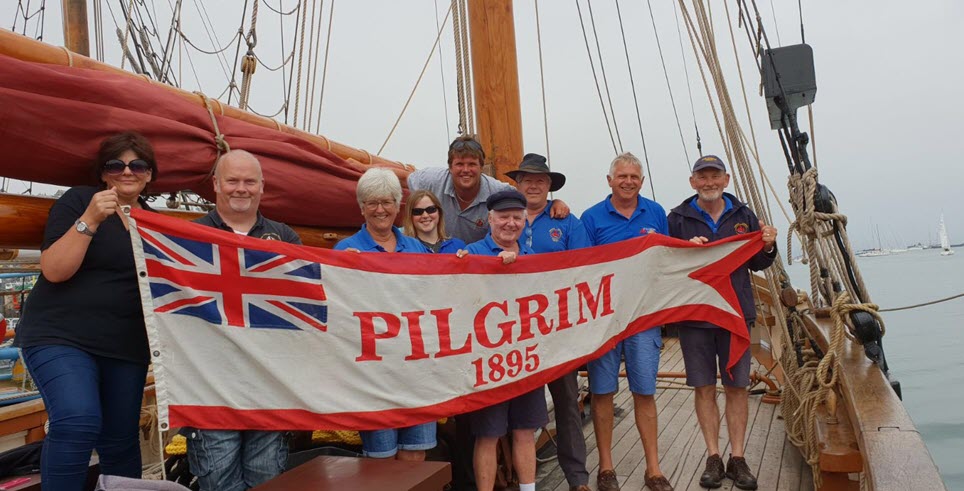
(52, 119)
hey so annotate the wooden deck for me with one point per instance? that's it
(776, 462)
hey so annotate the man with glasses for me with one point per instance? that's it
(523, 414)
(462, 189)
(231, 460)
(546, 234)
(709, 216)
(625, 214)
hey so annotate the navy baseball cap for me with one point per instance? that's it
(709, 162)
(509, 199)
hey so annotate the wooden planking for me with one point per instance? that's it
(682, 449)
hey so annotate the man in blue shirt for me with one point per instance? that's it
(524, 413)
(625, 214)
(546, 234)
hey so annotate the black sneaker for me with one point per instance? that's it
(712, 477)
(739, 472)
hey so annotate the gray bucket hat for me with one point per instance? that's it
(536, 164)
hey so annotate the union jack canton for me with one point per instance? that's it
(233, 286)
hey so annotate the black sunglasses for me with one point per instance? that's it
(417, 212)
(116, 166)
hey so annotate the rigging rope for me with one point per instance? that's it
(689, 90)
(672, 99)
(324, 68)
(459, 82)
(312, 62)
(596, 79)
(542, 83)
(441, 69)
(466, 67)
(602, 69)
(301, 52)
(250, 62)
(632, 84)
(417, 82)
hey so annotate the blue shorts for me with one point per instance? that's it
(523, 412)
(704, 350)
(382, 444)
(641, 352)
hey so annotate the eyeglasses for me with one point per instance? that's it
(386, 204)
(417, 212)
(116, 166)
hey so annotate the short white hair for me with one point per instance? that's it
(378, 182)
(625, 158)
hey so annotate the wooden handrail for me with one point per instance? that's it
(894, 454)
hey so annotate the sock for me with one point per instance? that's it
(527, 487)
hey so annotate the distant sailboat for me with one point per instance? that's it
(945, 242)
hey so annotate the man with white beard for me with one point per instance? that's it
(709, 216)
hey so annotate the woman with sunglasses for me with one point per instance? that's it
(82, 331)
(426, 222)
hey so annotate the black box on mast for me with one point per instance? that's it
(794, 64)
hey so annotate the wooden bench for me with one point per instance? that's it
(341, 473)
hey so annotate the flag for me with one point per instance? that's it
(254, 334)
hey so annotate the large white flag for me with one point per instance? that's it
(254, 334)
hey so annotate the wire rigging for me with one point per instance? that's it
(441, 70)
(632, 84)
(542, 83)
(592, 66)
(417, 82)
(324, 68)
(602, 69)
(662, 60)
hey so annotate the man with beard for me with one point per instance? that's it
(231, 460)
(709, 216)
(625, 214)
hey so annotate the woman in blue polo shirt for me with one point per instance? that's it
(425, 221)
(379, 195)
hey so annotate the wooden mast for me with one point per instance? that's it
(76, 36)
(496, 83)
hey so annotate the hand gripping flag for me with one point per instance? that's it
(254, 334)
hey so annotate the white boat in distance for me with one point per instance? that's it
(945, 242)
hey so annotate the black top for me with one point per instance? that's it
(98, 309)
(263, 228)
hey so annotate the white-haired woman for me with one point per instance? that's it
(379, 195)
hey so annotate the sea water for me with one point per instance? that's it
(924, 346)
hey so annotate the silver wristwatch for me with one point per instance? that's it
(83, 228)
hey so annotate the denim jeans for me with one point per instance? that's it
(92, 402)
(229, 460)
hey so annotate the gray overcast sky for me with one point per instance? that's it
(887, 98)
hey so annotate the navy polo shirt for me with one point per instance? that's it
(605, 225)
(547, 234)
(364, 242)
(714, 226)
(488, 247)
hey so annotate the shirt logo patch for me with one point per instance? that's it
(480, 223)
(270, 236)
(646, 231)
(741, 228)
(555, 234)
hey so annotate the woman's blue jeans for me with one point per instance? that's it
(93, 402)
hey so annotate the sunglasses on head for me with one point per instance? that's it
(471, 145)
(417, 212)
(116, 166)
